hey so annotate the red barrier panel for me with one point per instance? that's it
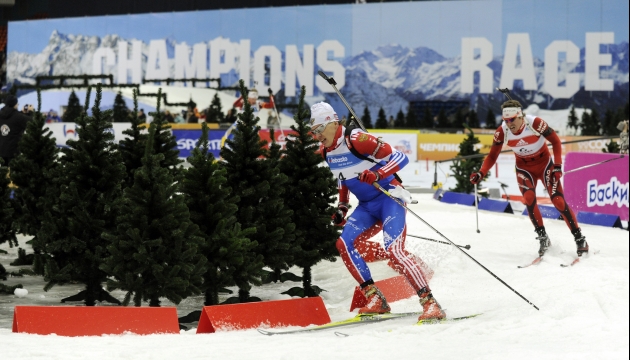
(94, 320)
(275, 313)
(394, 289)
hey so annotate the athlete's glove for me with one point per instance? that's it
(339, 217)
(556, 172)
(369, 176)
(476, 177)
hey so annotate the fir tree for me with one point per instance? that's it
(399, 123)
(89, 179)
(427, 119)
(463, 168)
(311, 190)
(154, 248)
(443, 120)
(213, 206)
(572, 122)
(590, 124)
(215, 115)
(473, 120)
(612, 147)
(367, 118)
(31, 173)
(7, 233)
(164, 141)
(121, 112)
(73, 110)
(411, 121)
(132, 147)
(381, 120)
(260, 188)
(491, 120)
(609, 125)
(460, 119)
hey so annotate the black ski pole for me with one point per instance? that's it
(333, 83)
(376, 185)
(467, 247)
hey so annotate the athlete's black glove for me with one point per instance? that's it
(339, 217)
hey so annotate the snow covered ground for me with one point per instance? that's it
(583, 309)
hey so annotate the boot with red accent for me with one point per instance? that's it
(376, 303)
(431, 310)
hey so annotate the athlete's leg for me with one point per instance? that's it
(394, 232)
(527, 185)
(370, 250)
(557, 198)
(358, 222)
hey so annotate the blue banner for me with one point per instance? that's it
(187, 140)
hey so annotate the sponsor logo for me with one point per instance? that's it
(497, 136)
(610, 193)
(404, 147)
(521, 143)
(542, 127)
(363, 137)
(69, 130)
(439, 147)
(337, 160)
(4, 130)
(522, 176)
(189, 144)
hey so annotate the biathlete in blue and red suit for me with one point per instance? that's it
(527, 136)
(377, 161)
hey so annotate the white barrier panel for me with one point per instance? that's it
(62, 132)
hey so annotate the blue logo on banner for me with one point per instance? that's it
(187, 140)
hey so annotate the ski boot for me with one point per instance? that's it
(543, 238)
(431, 310)
(580, 242)
(376, 303)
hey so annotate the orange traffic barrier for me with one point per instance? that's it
(394, 289)
(94, 320)
(275, 313)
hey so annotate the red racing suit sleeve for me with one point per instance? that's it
(551, 136)
(369, 145)
(495, 150)
(238, 103)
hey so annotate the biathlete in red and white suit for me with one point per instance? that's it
(527, 136)
(357, 175)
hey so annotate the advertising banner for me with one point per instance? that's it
(187, 140)
(403, 141)
(600, 189)
(560, 53)
(446, 146)
(62, 132)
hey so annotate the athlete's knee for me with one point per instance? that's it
(559, 203)
(529, 197)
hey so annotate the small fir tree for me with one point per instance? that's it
(590, 125)
(7, 233)
(399, 123)
(381, 120)
(609, 125)
(491, 120)
(164, 141)
(260, 188)
(89, 179)
(154, 248)
(215, 115)
(132, 147)
(463, 168)
(121, 112)
(366, 118)
(213, 206)
(460, 119)
(311, 190)
(573, 120)
(427, 119)
(31, 173)
(443, 120)
(411, 121)
(473, 120)
(73, 110)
